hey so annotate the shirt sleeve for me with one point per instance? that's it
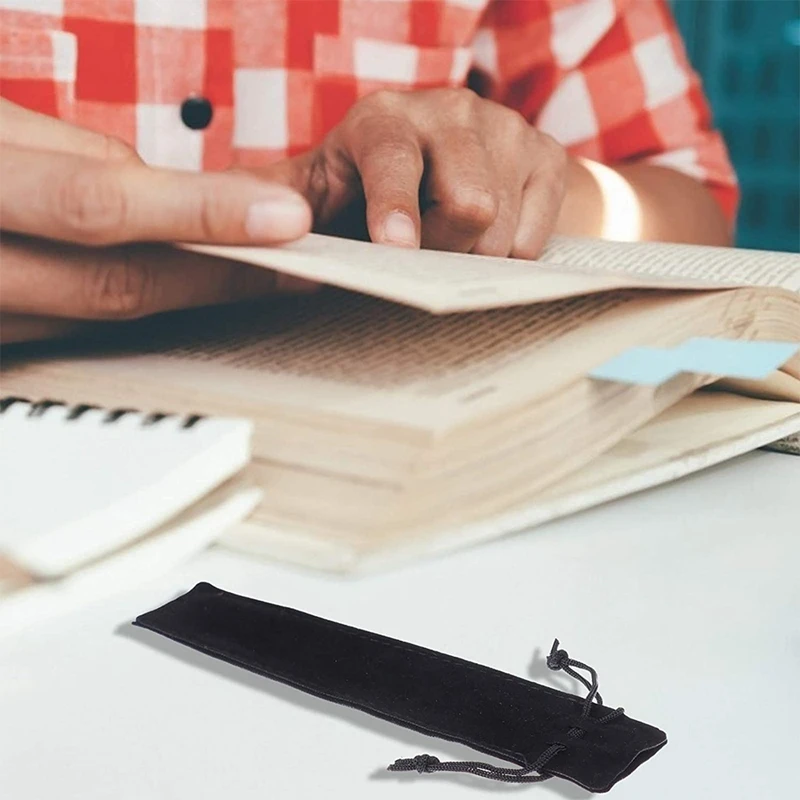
(609, 80)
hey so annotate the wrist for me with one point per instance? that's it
(599, 202)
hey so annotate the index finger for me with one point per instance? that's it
(387, 154)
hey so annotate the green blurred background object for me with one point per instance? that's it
(748, 54)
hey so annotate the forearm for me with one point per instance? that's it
(640, 202)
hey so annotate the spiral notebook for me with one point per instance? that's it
(90, 492)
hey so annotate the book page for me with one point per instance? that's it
(352, 354)
(723, 265)
(344, 382)
(676, 443)
(345, 337)
(778, 386)
(702, 430)
(338, 354)
(442, 282)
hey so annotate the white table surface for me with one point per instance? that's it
(686, 599)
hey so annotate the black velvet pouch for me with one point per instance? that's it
(545, 731)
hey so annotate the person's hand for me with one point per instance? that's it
(439, 168)
(80, 212)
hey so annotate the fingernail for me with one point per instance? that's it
(283, 217)
(399, 229)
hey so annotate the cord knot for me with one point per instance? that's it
(558, 659)
(424, 763)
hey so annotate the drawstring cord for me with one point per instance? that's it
(556, 660)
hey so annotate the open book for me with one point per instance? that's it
(378, 422)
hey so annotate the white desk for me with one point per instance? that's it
(686, 599)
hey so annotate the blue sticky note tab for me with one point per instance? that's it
(734, 359)
(725, 358)
(650, 366)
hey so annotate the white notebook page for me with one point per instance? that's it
(75, 489)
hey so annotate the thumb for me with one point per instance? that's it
(100, 203)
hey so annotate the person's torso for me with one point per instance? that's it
(205, 84)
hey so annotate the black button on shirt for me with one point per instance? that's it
(196, 113)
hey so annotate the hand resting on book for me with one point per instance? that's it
(446, 169)
(441, 168)
(76, 207)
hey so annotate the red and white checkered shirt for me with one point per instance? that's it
(608, 79)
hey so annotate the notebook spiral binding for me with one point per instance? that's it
(40, 407)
